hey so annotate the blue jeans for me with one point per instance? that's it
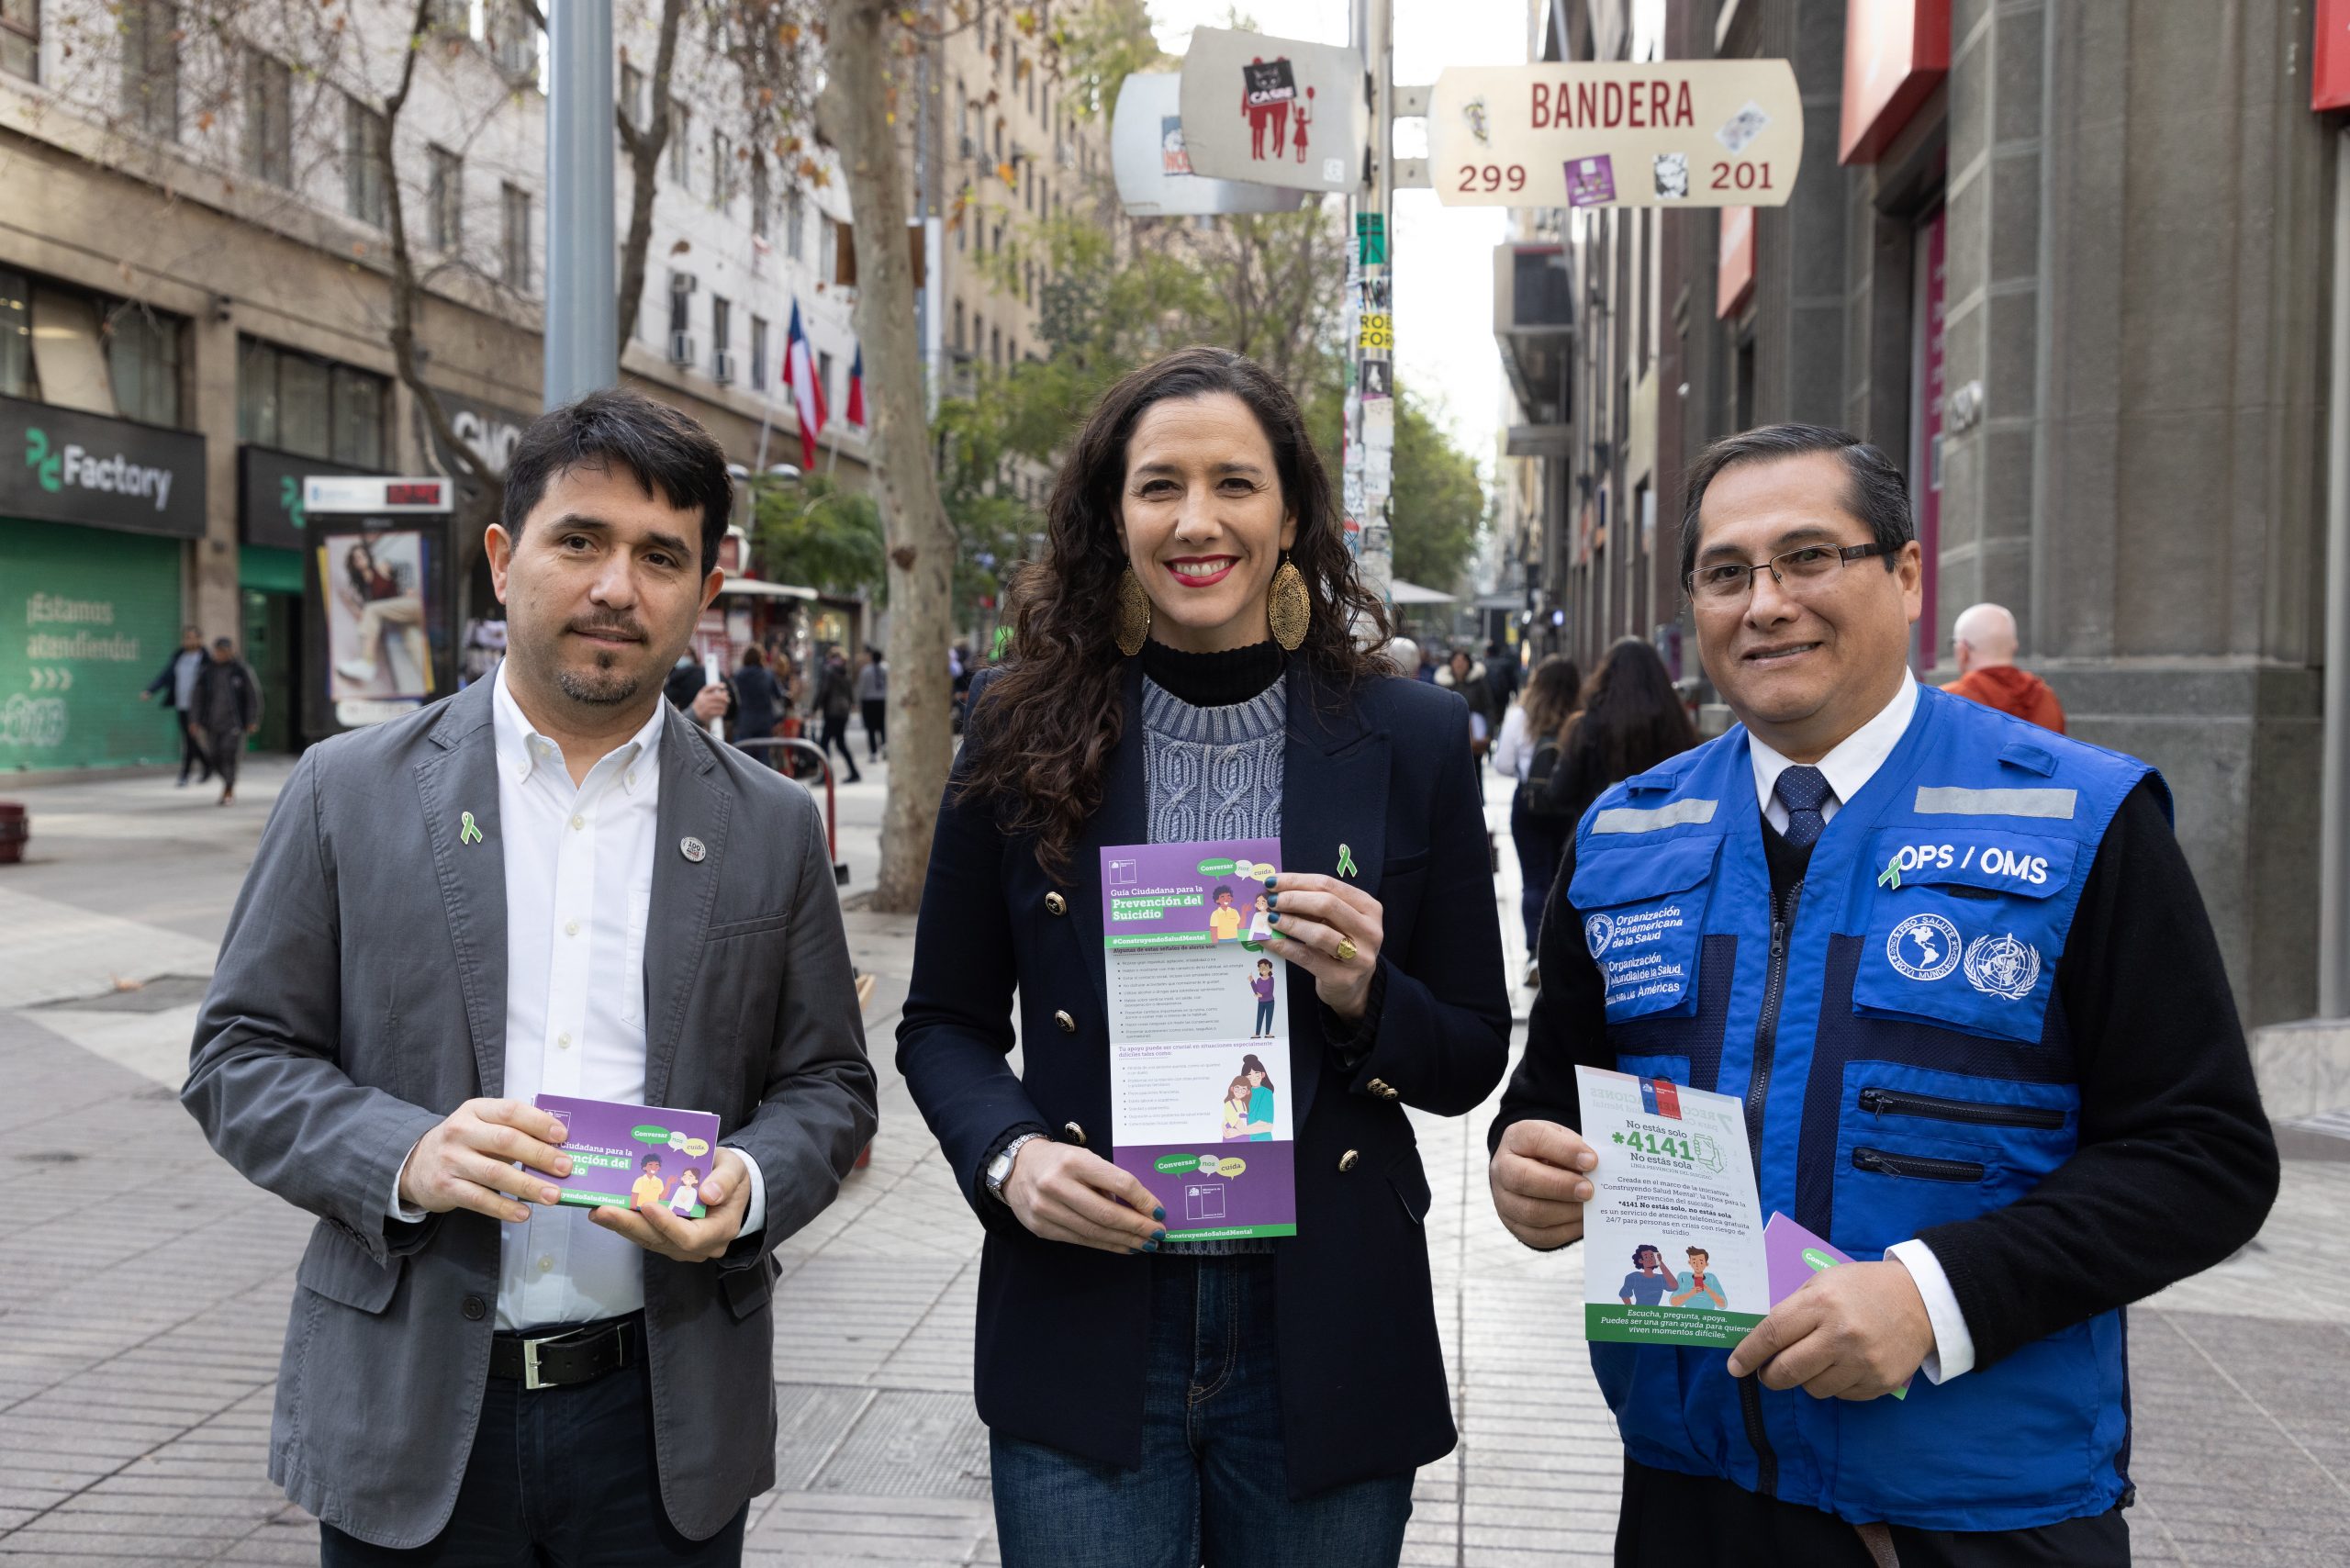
(1211, 1488)
(1265, 1016)
(558, 1478)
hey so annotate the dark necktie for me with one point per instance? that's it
(1804, 790)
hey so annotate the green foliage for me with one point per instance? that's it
(1100, 47)
(1438, 505)
(818, 534)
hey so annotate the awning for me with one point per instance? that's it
(1401, 592)
(755, 587)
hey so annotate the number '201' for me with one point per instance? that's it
(1743, 177)
(1491, 176)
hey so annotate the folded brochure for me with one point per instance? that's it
(1795, 1255)
(633, 1156)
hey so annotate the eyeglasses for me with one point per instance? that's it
(1805, 569)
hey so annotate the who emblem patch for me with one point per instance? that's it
(2003, 966)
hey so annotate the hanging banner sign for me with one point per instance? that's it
(1274, 111)
(1617, 133)
(1152, 161)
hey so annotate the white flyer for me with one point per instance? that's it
(1673, 1235)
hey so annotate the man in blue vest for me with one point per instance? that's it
(1957, 970)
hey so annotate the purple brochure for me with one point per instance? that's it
(632, 1156)
(1792, 1255)
(1200, 1075)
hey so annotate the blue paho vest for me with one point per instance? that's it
(1902, 1067)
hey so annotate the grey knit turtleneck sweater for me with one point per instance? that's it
(1214, 772)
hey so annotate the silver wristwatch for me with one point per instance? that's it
(999, 1168)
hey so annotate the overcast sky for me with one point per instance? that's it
(1443, 256)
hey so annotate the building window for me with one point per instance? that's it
(722, 170)
(445, 196)
(20, 39)
(151, 68)
(309, 407)
(758, 354)
(681, 146)
(959, 326)
(15, 336)
(143, 361)
(962, 120)
(363, 163)
(632, 95)
(681, 305)
(269, 120)
(515, 247)
(828, 248)
(721, 325)
(759, 194)
(995, 347)
(795, 222)
(824, 379)
(513, 41)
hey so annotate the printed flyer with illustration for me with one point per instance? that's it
(1200, 1080)
(1673, 1235)
(633, 1156)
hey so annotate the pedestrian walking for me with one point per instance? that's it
(227, 701)
(513, 892)
(1957, 970)
(758, 701)
(175, 684)
(1465, 676)
(1502, 672)
(834, 699)
(1532, 730)
(1983, 641)
(873, 702)
(1250, 1401)
(1630, 719)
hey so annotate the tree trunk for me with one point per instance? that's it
(856, 116)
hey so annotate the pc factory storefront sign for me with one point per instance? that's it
(92, 513)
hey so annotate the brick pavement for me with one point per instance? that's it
(144, 1285)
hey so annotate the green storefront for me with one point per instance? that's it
(93, 514)
(274, 536)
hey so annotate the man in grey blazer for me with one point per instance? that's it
(549, 883)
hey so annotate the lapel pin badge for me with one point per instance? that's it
(1891, 876)
(1347, 862)
(469, 830)
(691, 848)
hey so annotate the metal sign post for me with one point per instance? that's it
(1370, 455)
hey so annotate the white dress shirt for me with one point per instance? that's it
(1853, 763)
(578, 889)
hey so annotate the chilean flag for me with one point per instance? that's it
(855, 412)
(807, 392)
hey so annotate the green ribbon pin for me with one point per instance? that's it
(467, 832)
(1891, 876)
(1347, 862)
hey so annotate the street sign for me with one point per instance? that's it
(1274, 111)
(1153, 165)
(373, 496)
(1617, 133)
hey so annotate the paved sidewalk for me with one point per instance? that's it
(143, 1286)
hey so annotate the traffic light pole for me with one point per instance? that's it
(582, 322)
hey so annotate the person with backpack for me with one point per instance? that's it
(1529, 750)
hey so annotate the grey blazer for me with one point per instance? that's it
(361, 997)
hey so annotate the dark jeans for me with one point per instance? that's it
(1211, 1488)
(1669, 1520)
(192, 752)
(1265, 1016)
(877, 725)
(558, 1478)
(835, 734)
(227, 750)
(1541, 842)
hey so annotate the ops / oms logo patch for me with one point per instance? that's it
(1598, 930)
(1923, 947)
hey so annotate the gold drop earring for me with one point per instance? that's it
(1133, 613)
(1288, 609)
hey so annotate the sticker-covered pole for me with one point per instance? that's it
(1370, 384)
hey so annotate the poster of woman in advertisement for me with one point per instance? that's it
(375, 610)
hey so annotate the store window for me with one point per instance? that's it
(143, 360)
(312, 406)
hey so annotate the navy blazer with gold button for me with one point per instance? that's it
(1383, 769)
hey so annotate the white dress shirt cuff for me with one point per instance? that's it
(396, 1209)
(1953, 1351)
(755, 1218)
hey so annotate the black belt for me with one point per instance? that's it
(567, 1356)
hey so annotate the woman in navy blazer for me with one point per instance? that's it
(1149, 1404)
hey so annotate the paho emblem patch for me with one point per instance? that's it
(1923, 947)
(1597, 932)
(2003, 966)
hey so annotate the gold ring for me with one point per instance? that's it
(1345, 949)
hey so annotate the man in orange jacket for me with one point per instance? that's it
(1985, 639)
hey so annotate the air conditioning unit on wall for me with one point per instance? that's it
(681, 348)
(721, 367)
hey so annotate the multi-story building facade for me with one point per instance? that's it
(2068, 264)
(195, 281)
